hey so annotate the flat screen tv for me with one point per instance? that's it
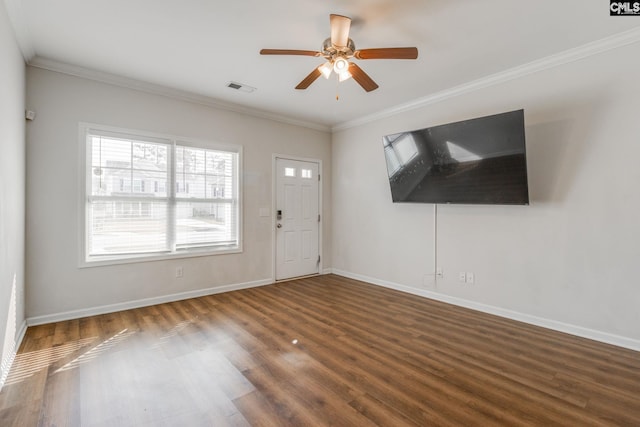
(477, 161)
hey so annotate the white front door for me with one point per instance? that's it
(297, 218)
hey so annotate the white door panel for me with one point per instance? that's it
(297, 221)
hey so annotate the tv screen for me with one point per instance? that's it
(477, 161)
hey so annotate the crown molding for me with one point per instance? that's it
(113, 79)
(20, 29)
(590, 49)
(555, 60)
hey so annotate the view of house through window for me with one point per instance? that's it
(154, 196)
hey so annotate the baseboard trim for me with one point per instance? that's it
(579, 331)
(5, 366)
(112, 308)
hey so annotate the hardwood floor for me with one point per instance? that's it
(314, 352)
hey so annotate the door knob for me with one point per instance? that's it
(279, 225)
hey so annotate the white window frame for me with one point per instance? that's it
(84, 179)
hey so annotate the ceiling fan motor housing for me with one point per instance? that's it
(331, 51)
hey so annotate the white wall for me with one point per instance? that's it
(55, 283)
(12, 190)
(569, 260)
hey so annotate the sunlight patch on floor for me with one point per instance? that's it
(27, 364)
(96, 351)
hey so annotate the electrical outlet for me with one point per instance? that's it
(462, 277)
(179, 272)
(471, 278)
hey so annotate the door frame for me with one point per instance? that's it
(274, 189)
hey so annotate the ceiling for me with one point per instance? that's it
(198, 46)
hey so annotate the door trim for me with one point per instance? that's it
(274, 175)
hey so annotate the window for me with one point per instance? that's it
(131, 211)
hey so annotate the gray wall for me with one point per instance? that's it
(570, 259)
(57, 288)
(12, 190)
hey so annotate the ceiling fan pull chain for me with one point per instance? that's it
(337, 91)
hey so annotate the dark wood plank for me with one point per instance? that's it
(316, 351)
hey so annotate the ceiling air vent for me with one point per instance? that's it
(241, 87)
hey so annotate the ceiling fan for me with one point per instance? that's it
(338, 49)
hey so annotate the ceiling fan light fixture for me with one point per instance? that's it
(340, 65)
(344, 75)
(325, 69)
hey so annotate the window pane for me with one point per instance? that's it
(218, 187)
(220, 175)
(190, 185)
(193, 160)
(134, 226)
(219, 162)
(122, 167)
(110, 153)
(151, 157)
(204, 173)
(149, 184)
(201, 224)
(196, 188)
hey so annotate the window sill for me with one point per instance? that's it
(100, 261)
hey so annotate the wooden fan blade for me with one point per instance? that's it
(340, 26)
(362, 78)
(387, 53)
(289, 52)
(309, 79)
